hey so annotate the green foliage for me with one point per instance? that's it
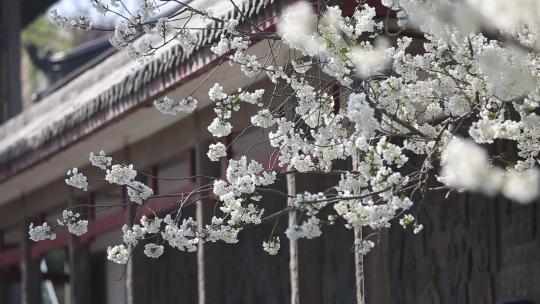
(42, 33)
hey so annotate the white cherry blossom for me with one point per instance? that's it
(40, 233)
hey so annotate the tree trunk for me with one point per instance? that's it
(293, 245)
(359, 266)
(30, 271)
(209, 255)
(358, 256)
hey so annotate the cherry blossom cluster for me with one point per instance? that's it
(467, 166)
(77, 179)
(409, 220)
(272, 246)
(40, 233)
(148, 18)
(138, 192)
(132, 235)
(226, 104)
(115, 174)
(100, 160)
(73, 222)
(82, 23)
(409, 117)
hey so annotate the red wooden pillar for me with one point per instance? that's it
(192, 159)
(225, 161)
(137, 269)
(124, 197)
(91, 201)
(2, 244)
(377, 283)
(79, 259)
(152, 180)
(30, 271)
(2, 279)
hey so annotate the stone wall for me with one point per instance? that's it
(473, 250)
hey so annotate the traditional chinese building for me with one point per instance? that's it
(473, 250)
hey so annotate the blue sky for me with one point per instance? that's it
(73, 8)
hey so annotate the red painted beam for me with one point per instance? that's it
(115, 221)
(12, 274)
(165, 204)
(10, 257)
(100, 226)
(380, 9)
(55, 277)
(41, 248)
(103, 225)
(270, 162)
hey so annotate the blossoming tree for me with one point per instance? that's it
(409, 122)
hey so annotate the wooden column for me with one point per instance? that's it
(377, 269)
(137, 276)
(3, 289)
(310, 252)
(209, 257)
(305, 255)
(79, 266)
(30, 271)
(2, 282)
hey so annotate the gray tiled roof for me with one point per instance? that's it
(19, 150)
